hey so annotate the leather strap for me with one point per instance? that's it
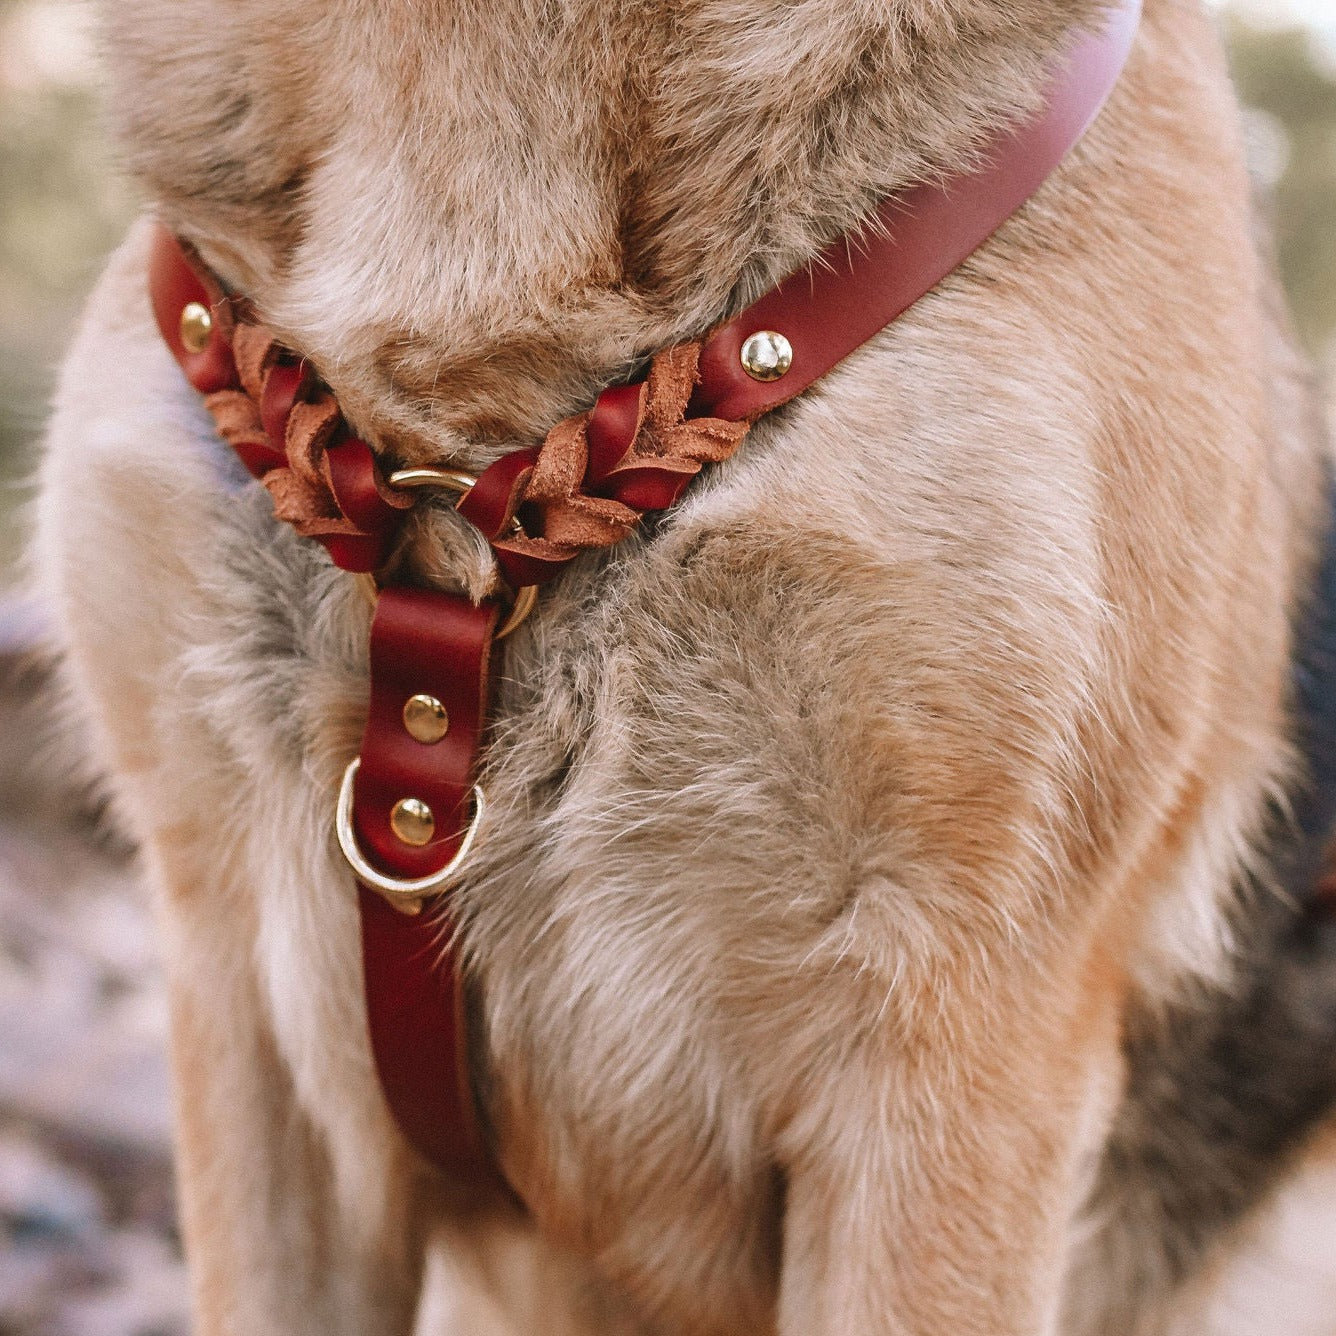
(439, 645)
(863, 283)
(174, 283)
(641, 445)
(584, 488)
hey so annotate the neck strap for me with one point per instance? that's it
(915, 239)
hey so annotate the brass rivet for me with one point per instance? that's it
(412, 821)
(766, 355)
(425, 718)
(196, 326)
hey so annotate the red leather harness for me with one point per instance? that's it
(409, 806)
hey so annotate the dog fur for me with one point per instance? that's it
(865, 834)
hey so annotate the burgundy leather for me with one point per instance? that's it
(415, 1011)
(441, 644)
(355, 479)
(438, 644)
(612, 428)
(282, 389)
(611, 434)
(862, 283)
(173, 284)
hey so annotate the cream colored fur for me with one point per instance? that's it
(836, 824)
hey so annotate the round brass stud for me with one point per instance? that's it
(406, 894)
(196, 326)
(425, 718)
(412, 822)
(766, 355)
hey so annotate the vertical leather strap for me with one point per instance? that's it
(437, 647)
(415, 1016)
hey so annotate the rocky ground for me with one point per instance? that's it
(88, 1243)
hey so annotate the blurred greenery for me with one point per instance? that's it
(62, 208)
(62, 204)
(1291, 84)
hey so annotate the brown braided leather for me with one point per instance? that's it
(562, 516)
(562, 519)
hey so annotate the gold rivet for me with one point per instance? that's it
(425, 718)
(766, 355)
(196, 326)
(412, 821)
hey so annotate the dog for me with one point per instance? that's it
(887, 917)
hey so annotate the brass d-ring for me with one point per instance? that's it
(460, 484)
(526, 599)
(406, 893)
(448, 480)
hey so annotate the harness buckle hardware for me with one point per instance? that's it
(459, 484)
(455, 481)
(404, 893)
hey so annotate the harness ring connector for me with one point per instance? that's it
(460, 484)
(404, 893)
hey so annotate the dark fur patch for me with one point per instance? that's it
(1222, 1099)
(1224, 1094)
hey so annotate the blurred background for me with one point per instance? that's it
(87, 1239)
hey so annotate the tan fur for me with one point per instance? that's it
(835, 826)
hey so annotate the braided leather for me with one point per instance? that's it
(587, 486)
(575, 498)
(282, 423)
(288, 448)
